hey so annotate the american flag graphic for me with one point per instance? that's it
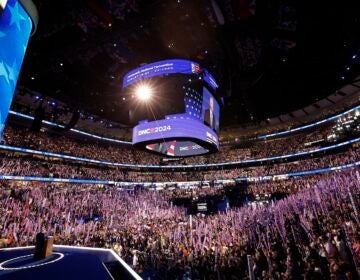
(193, 103)
(195, 68)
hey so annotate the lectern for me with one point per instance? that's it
(43, 247)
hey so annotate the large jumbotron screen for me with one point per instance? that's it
(184, 121)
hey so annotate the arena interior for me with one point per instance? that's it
(179, 139)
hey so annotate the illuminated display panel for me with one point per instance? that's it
(15, 29)
(165, 67)
(176, 137)
(191, 128)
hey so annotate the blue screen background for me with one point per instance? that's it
(15, 29)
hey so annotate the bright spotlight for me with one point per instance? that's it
(143, 92)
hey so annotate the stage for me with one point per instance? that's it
(66, 262)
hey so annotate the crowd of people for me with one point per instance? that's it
(22, 165)
(23, 137)
(318, 115)
(310, 231)
(313, 233)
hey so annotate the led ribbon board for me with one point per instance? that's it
(193, 130)
(164, 67)
(15, 29)
(176, 137)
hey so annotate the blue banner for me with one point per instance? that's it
(164, 67)
(15, 29)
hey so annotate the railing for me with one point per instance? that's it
(285, 132)
(71, 129)
(264, 136)
(132, 184)
(180, 166)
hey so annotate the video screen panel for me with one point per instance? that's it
(176, 97)
(167, 99)
(176, 148)
(174, 128)
(210, 110)
(166, 67)
(191, 124)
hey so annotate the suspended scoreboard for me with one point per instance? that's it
(190, 130)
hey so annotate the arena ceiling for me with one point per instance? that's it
(270, 57)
